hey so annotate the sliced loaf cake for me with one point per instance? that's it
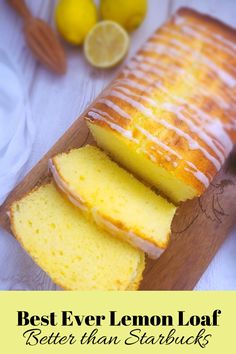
(169, 117)
(73, 251)
(114, 198)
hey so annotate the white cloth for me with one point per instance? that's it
(16, 126)
(17, 270)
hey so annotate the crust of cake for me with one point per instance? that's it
(219, 28)
(115, 227)
(186, 126)
(138, 240)
(216, 23)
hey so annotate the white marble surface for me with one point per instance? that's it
(57, 101)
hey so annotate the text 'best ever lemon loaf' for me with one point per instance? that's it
(73, 251)
(114, 199)
(170, 115)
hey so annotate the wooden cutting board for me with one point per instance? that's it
(198, 230)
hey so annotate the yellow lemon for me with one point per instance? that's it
(128, 13)
(106, 44)
(75, 18)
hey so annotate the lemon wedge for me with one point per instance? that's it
(106, 44)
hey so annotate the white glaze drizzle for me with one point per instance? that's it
(171, 68)
(160, 49)
(158, 142)
(104, 114)
(198, 175)
(135, 104)
(173, 109)
(162, 71)
(193, 144)
(210, 34)
(202, 116)
(189, 78)
(217, 129)
(227, 78)
(220, 136)
(190, 33)
(200, 132)
(154, 159)
(133, 84)
(224, 40)
(219, 100)
(146, 67)
(114, 107)
(195, 34)
(179, 20)
(139, 75)
(126, 133)
(180, 44)
(139, 97)
(194, 171)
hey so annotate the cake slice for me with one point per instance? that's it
(169, 117)
(114, 199)
(73, 251)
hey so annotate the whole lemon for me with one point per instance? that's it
(128, 13)
(75, 18)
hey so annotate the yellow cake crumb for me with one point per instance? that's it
(73, 251)
(114, 198)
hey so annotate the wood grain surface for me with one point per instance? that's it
(198, 230)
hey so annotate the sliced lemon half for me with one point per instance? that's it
(106, 44)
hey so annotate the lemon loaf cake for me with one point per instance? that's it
(170, 115)
(73, 251)
(114, 199)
